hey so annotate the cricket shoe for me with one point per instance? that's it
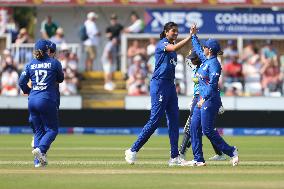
(37, 163)
(177, 161)
(218, 157)
(235, 158)
(193, 163)
(40, 156)
(130, 156)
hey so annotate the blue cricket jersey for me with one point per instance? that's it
(45, 75)
(208, 73)
(165, 61)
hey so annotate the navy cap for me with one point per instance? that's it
(213, 44)
(42, 45)
(51, 45)
(192, 55)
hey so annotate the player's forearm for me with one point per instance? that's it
(182, 43)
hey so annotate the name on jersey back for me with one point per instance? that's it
(41, 65)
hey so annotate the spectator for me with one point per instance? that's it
(133, 50)
(137, 74)
(58, 38)
(248, 51)
(137, 25)
(269, 54)
(233, 71)
(150, 49)
(230, 52)
(7, 60)
(48, 28)
(271, 78)
(9, 81)
(251, 73)
(180, 75)
(69, 63)
(3, 21)
(23, 55)
(114, 31)
(233, 77)
(23, 37)
(115, 28)
(109, 59)
(92, 42)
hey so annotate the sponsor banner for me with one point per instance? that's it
(256, 22)
(137, 130)
(242, 3)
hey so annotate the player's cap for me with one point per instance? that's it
(64, 47)
(92, 15)
(137, 58)
(60, 31)
(113, 16)
(192, 55)
(212, 44)
(42, 45)
(51, 45)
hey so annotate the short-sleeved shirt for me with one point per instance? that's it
(165, 62)
(115, 30)
(50, 29)
(45, 75)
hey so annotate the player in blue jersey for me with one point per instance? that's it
(205, 111)
(51, 53)
(45, 74)
(193, 60)
(163, 94)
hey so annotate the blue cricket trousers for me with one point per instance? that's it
(163, 99)
(203, 121)
(44, 117)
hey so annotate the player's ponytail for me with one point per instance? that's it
(220, 53)
(167, 28)
(38, 54)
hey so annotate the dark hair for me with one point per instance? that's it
(167, 28)
(133, 13)
(220, 53)
(38, 54)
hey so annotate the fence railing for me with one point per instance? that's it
(23, 53)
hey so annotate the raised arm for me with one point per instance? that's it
(198, 48)
(179, 45)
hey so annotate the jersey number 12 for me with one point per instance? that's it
(40, 76)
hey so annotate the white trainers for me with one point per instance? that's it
(41, 157)
(194, 163)
(235, 158)
(177, 161)
(218, 157)
(130, 156)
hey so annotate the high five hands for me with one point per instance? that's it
(193, 29)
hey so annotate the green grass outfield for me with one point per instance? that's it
(97, 162)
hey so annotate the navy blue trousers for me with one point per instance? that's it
(163, 100)
(44, 118)
(203, 120)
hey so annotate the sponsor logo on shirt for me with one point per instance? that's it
(172, 61)
(161, 98)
